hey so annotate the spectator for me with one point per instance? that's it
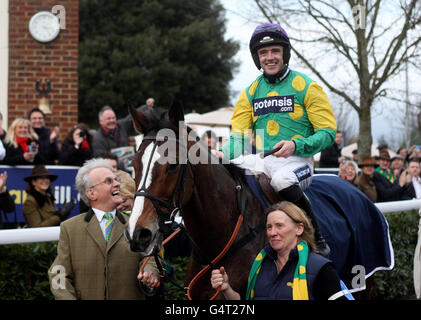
(382, 147)
(92, 254)
(48, 145)
(2, 137)
(403, 153)
(415, 171)
(397, 165)
(39, 208)
(7, 203)
(150, 103)
(414, 152)
(77, 147)
(331, 157)
(209, 139)
(355, 155)
(348, 172)
(112, 160)
(388, 187)
(291, 240)
(127, 191)
(21, 148)
(112, 133)
(365, 180)
(413, 189)
(3, 132)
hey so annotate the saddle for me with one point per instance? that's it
(268, 192)
(261, 188)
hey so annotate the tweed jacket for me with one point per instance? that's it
(366, 185)
(95, 270)
(36, 216)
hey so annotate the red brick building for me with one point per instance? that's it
(31, 60)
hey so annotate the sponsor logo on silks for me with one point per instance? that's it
(303, 173)
(273, 105)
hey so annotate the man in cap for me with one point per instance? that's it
(389, 187)
(397, 165)
(289, 114)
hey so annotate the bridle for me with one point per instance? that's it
(174, 205)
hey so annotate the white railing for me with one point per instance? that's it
(395, 206)
(28, 235)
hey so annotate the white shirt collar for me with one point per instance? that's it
(100, 214)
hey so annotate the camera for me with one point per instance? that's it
(32, 148)
(82, 133)
(417, 147)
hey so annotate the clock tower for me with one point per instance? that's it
(43, 61)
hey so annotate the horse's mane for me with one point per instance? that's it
(156, 123)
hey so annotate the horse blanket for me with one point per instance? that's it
(356, 231)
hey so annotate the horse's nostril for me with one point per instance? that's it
(141, 239)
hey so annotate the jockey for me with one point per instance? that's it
(286, 110)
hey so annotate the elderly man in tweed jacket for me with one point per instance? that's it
(92, 263)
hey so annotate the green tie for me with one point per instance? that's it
(108, 226)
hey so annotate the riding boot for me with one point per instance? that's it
(297, 196)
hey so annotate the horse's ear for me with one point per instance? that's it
(139, 120)
(176, 113)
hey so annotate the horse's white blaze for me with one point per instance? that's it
(139, 201)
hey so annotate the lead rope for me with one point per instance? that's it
(216, 260)
(161, 271)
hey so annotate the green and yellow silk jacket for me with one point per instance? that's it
(293, 108)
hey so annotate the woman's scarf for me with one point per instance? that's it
(85, 145)
(22, 142)
(299, 284)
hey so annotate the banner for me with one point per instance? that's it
(63, 188)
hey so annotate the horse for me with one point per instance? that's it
(223, 217)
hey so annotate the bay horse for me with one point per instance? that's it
(178, 174)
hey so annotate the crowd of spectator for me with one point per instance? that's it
(27, 141)
(382, 178)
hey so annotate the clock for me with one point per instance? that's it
(44, 26)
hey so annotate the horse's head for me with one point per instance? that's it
(163, 179)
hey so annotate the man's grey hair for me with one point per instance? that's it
(83, 181)
(104, 108)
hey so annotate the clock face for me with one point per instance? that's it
(44, 26)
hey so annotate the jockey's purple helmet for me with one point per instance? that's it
(269, 34)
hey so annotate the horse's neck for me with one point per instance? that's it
(211, 212)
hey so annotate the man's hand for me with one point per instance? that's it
(218, 153)
(54, 134)
(287, 148)
(148, 278)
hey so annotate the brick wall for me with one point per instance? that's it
(57, 61)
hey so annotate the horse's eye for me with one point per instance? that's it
(172, 167)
